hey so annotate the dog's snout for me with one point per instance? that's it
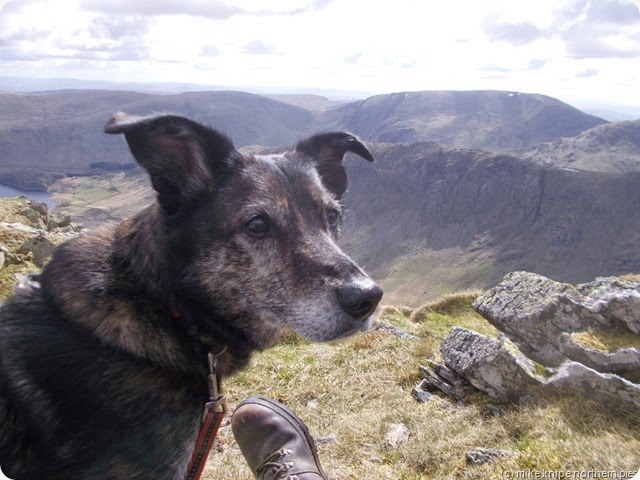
(359, 300)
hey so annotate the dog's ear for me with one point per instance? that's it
(327, 150)
(181, 156)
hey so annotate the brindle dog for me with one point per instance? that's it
(103, 367)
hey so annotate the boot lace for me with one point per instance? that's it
(276, 467)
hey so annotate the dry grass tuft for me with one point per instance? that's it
(607, 341)
(631, 277)
(454, 304)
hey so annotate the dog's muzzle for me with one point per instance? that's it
(359, 299)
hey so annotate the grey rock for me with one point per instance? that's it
(543, 318)
(535, 312)
(499, 369)
(398, 332)
(574, 378)
(58, 221)
(421, 394)
(40, 246)
(326, 439)
(612, 300)
(494, 366)
(442, 378)
(396, 435)
(480, 456)
(624, 361)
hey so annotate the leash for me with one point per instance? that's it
(214, 411)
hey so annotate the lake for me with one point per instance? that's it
(42, 197)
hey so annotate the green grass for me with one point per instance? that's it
(430, 274)
(92, 195)
(363, 384)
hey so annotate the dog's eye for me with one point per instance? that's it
(258, 226)
(333, 217)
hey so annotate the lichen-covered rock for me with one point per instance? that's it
(611, 301)
(40, 248)
(573, 378)
(624, 361)
(480, 456)
(28, 236)
(499, 369)
(493, 366)
(535, 312)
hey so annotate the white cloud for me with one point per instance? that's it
(214, 9)
(565, 48)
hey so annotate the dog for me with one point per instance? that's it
(103, 366)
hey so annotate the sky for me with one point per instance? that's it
(575, 50)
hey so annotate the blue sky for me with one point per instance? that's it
(575, 50)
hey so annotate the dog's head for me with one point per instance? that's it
(254, 237)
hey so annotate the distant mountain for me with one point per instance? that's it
(612, 147)
(427, 219)
(490, 120)
(45, 135)
(61, 132)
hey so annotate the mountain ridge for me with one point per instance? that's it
(610, 147)
(479, 215)
(61, 132)
(486, 119)
(425, 218)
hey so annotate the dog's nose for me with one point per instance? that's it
(359, 300)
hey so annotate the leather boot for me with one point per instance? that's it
(274, 441)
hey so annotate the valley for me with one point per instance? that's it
(466, 185)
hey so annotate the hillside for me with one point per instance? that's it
(489, 120)
(612, 147)
(44, 136)
(61, 132)
(352, 392)
(426, 219)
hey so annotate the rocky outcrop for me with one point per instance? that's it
(611, 147)
(556, 339)
(28, 235)
(494, 366)
(552, 322)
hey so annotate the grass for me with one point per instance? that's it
(356, 388)
(119, 195)
(428, 274)
(607, 341)
(361, 385)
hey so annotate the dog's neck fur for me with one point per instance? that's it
(142, 250)
(132, 261)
